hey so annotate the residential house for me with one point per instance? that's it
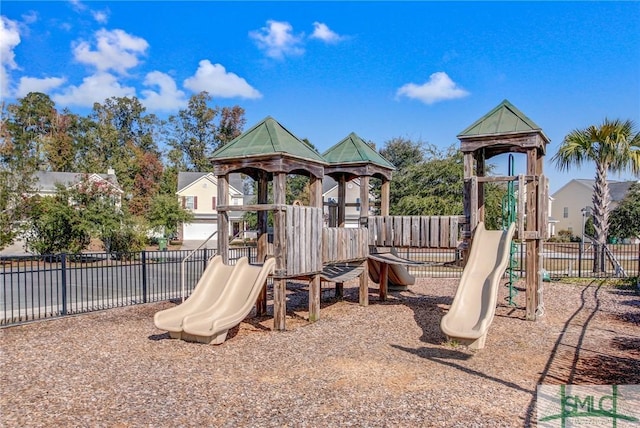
(198, 193)
(46, 182)
(573, 203)
(352, 211)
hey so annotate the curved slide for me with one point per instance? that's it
(399, 276)
(474, 304)
(227, 298)
(207, 290)
(234, 304)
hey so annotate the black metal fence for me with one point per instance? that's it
(35, 287)
(560, 260)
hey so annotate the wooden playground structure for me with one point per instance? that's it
(305, 249)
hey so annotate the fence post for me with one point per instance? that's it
(580, 249)
(205, 258)
(144, 276)
(63, 278)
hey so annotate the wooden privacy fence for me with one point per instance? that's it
(310, 245)
(414, 231)
(340, 244)
(303, 235)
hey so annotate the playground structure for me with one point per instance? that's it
(302, 248)
(505, 129)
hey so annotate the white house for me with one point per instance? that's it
(198, 193)
(352, 195)
(46, 182)
(573, 202)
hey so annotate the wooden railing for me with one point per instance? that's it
(414, 231)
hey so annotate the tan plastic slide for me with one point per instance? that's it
(399, 276)
(232, 306)
(474, 303)
(207, 291)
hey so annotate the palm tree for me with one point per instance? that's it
(614, 146)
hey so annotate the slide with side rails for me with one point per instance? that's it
(474, 303)
(207, 291)
(236, 300)
(399, 276)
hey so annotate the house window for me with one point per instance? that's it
(213, 202)
(190, 202)
(565, 212)
(358, 202)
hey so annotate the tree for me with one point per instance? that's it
(66, 221)
(614, 146)
(54, 226)
(166, 213)
(403, 153)
(625, 218)
(194, 134)
(22, 128)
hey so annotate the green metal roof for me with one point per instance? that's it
(503, 119)
(267, 137)
(353, 149)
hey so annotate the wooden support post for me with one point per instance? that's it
(384, 281)
(223, 218)
(385, 193)
(314, 298)
(279, 250)
(364, 285)
(315, 285)
(480, 172)
(532, 245)
(364, 200)
(342, 200)
(263, 238)
(339, 290)
(315, 192)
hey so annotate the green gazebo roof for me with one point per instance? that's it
(503, 119)
(353, 149)
(267, 137)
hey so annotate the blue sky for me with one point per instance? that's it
(418, 70)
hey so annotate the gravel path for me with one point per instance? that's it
(385, 365)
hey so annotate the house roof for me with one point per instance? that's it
(46, 181)
(505, 118)
(352, 149)
(264, 138)
(617, 189)
(187, 178)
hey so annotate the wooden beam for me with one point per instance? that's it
(532, 245)
(384, 197)
(279, 246)
(314, 298)
(364, 200)
(364, 286)
(342, 200)
(223, 218)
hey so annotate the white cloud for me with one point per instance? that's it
(34, 84)
(77, 5)
(168, 98)
(101, 16)
(322, 32)
(116, 50)
(214, 79)
(277, 40)
(30, 17)
(93, 89)
(9, 39)
(440, 87)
